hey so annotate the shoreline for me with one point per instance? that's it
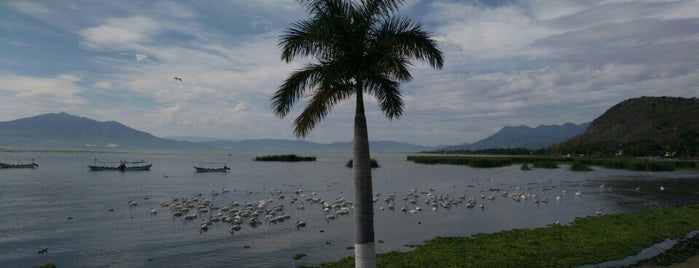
(586, 241)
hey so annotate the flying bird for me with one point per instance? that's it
(178, 78)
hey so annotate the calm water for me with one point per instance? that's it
(84, 219)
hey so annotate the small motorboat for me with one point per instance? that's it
(212, 167)
(22, 163)
(120, 166)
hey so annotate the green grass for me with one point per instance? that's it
(585, 241)
(285, 158)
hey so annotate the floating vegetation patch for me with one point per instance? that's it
(545, 164)
(579, 166)
(634, 164)
(285, 158)
(299, 256)
(374, 163)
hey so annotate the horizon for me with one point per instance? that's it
(206, 139)
(508, 63)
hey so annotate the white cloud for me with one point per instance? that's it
(102, 85)
(25, 95)
(141, 57)
(121, 33)
(517, 62)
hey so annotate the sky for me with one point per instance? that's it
(507, 63)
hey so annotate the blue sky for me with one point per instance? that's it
(507, 63)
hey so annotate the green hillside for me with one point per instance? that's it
(646, 126)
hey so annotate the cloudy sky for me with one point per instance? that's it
(507, 63)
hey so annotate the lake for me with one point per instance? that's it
(84, 218)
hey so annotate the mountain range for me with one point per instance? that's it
(65, 131)
(526, 137)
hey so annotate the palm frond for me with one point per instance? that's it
(320, 104)
(388, 94)
(294, 86)
(383, 8)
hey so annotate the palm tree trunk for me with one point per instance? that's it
(364, 251)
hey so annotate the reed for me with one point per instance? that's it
(634, 164)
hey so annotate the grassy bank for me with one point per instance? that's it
(285, 158)
(585, 241)
(551, 161)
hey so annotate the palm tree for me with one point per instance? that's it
(358, 47)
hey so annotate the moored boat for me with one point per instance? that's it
(120, 166)
(20, 164)
(212, 168)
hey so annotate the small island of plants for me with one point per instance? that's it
(285, 158)
(374, 163)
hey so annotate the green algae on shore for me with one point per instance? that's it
(587, 240)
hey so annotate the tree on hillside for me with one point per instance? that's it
(357, 47)
(687, 144)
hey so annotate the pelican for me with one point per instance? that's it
(662, 188)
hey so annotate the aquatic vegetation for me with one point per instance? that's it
(634, 164)
(285, 158)
(579, 166)
(374, 163)
(299, 256)
(587, 240)
(46, 265)
(545, 164)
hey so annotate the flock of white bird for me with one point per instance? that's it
(271, 210)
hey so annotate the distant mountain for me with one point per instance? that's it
(68, 131)
(540, 137)
(65, 131)
(646, 125)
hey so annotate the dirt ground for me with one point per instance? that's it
(692, 262)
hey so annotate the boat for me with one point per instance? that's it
(212, 167)
(120, 166)
(20, 164)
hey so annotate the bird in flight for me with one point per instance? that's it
(178, 78)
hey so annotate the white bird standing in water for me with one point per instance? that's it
(662, 188)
